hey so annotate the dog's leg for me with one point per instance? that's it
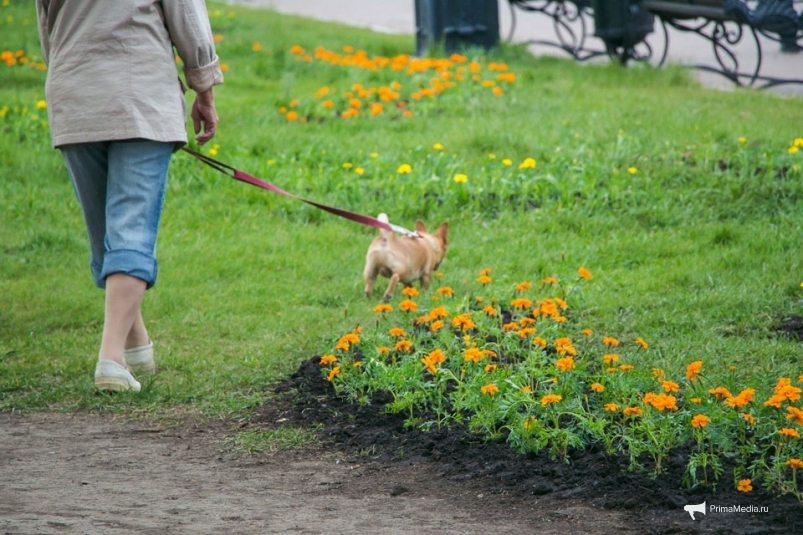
(425, 281)
(369, 275)
(394, 280)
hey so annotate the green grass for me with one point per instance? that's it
(698, 252)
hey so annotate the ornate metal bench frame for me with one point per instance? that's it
(724, 27)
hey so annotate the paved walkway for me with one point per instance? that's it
(398, 16)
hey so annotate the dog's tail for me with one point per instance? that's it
(385, 233)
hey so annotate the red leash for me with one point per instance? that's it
(258, 182)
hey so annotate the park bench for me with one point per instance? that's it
(627, 31)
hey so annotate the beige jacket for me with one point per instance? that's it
(112, 71)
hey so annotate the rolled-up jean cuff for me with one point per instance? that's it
(133, 263)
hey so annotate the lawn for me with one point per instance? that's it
(685, 203)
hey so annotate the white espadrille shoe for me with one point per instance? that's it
(112, 377)
(139, 360)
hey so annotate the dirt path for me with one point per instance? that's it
(62, 473)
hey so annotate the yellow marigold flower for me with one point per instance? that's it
(798, 142)
(597, 387)
(749, 418)
(528, 163)
(700, 420)
(641, 343)
(610, 341)
(584, 273)
(437, 146)
(789, 432)
(328, 359)
(473, 354)
(742, 140)
(550, 398)
(670, 386)
(632, 411)
(611, 407)
(696, 401)
(484, 279)
(612, 370)
(403, 345)
(741, 399)
(632, 170)
(795, 414)
(658, 373)
(490, 368)
(490, 389)
(626, 367)
(523, 286)
(507, 161)
(41, 104)
(720, 391)
(383, 307)
(461, 178)
(744, 485)
(526, 389)
(404, 169)
(521, 303)
(694, 369)
(445, 290)
(357, 364)
(549, 280)
(408, 306)
(436, 326)
(489, 310)
(333, 372)
(565, 364)
(409, 291)
(528, 422)
(397, 331)
(795, 464)
(792, 150)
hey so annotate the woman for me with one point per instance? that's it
(117, 113)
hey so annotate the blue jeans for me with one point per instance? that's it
(121, 187)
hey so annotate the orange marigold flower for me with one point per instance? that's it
(775, 401)
(528, 422)
(403, 345)
(610, 359)
(408, 306)
(626, 367)
(357, 364)
(383, 307)
(658, 373)
(436, 326)
(333, 372)
(700, 420)
(550, 398)
(439, 312)
(489, 310)
(484, 279)
(565, 364)
(382, 350)
(632, 411)
(463, 322)
(587, 332)
(549, 280)
(473, 354)
(512, 326)
(741, 399)
(785, 389)
(789, 432)
(521, 303)
(720, 391)
(795, 464)
(524, 333)
(490, 368)
(328, 359)
(694, 369)
(641, 343)
(540, 342)
(584, 273)
(597, 387)
(670, 386)
(795, 414)
(342, 345)
(292, 116)
(749, 418)
(445, 290)
(526, 389)
(611, 407)
(564, 346)
(523, 286)
(490, 389)
(409, 291)
(745, 485)
(696, 401)
(610, 341)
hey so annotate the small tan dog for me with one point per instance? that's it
(404, 259)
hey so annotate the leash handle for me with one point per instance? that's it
(264, 184)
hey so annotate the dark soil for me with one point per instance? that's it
(591, 477)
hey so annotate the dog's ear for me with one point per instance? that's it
(419, 226)
(443, 231)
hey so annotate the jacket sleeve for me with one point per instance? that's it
(42, 7)
(188, 24)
